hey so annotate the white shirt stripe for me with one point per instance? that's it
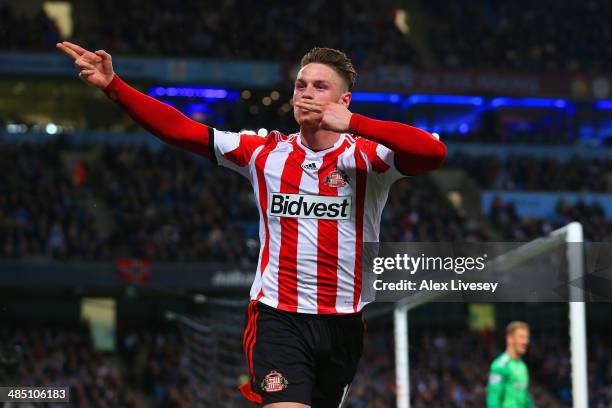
(308, 233)
(273, 170)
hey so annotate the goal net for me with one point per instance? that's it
(212, 345)
(565, 244)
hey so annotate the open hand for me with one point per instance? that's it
(326, 115)
(95, 68)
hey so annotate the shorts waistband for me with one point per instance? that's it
(330, 316)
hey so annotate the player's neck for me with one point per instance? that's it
(513, 354)
(318, 139)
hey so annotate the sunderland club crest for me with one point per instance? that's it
(274, 382)
(337, 178)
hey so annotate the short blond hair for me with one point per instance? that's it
(514, 326)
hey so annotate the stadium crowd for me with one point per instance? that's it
(185, 367)
(515, 36)
(512, 227)
(521, 35)
(19, 32)
(524, 172)
(170, 206)
(159, 365)
(156, 367)
(62, 356)
(43, 212)
(445, 376)
(491, 129)
(225, 30)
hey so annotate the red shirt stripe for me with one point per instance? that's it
(242, 154)
(287, 266)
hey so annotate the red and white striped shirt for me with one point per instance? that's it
(316, 210)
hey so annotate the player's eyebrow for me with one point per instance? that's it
(315, 81)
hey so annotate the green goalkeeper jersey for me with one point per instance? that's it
(508, 384)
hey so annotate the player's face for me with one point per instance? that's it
(519, 340)
(320, 83)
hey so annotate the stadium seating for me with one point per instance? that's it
(170, 206)
(520, 36)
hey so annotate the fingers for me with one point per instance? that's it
(82, 64)
(308, 105)
(311, 102)
(85, 75)
(75, 52)
(76, 48)
(103, 54)
(72, 54)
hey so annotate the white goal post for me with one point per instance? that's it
(577, 313)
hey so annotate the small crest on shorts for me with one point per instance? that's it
(337, 178)
(274, 382)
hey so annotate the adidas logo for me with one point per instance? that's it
(309, 166)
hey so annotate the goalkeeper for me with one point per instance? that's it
(509, 378)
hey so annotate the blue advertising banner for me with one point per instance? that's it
(185, 70)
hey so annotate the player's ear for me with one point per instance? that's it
(345, 98)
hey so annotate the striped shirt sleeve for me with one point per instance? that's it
(234, 150)
(382, 160)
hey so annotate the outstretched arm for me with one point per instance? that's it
(416, 151)
(163, 121)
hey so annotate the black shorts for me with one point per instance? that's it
(298, 357)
